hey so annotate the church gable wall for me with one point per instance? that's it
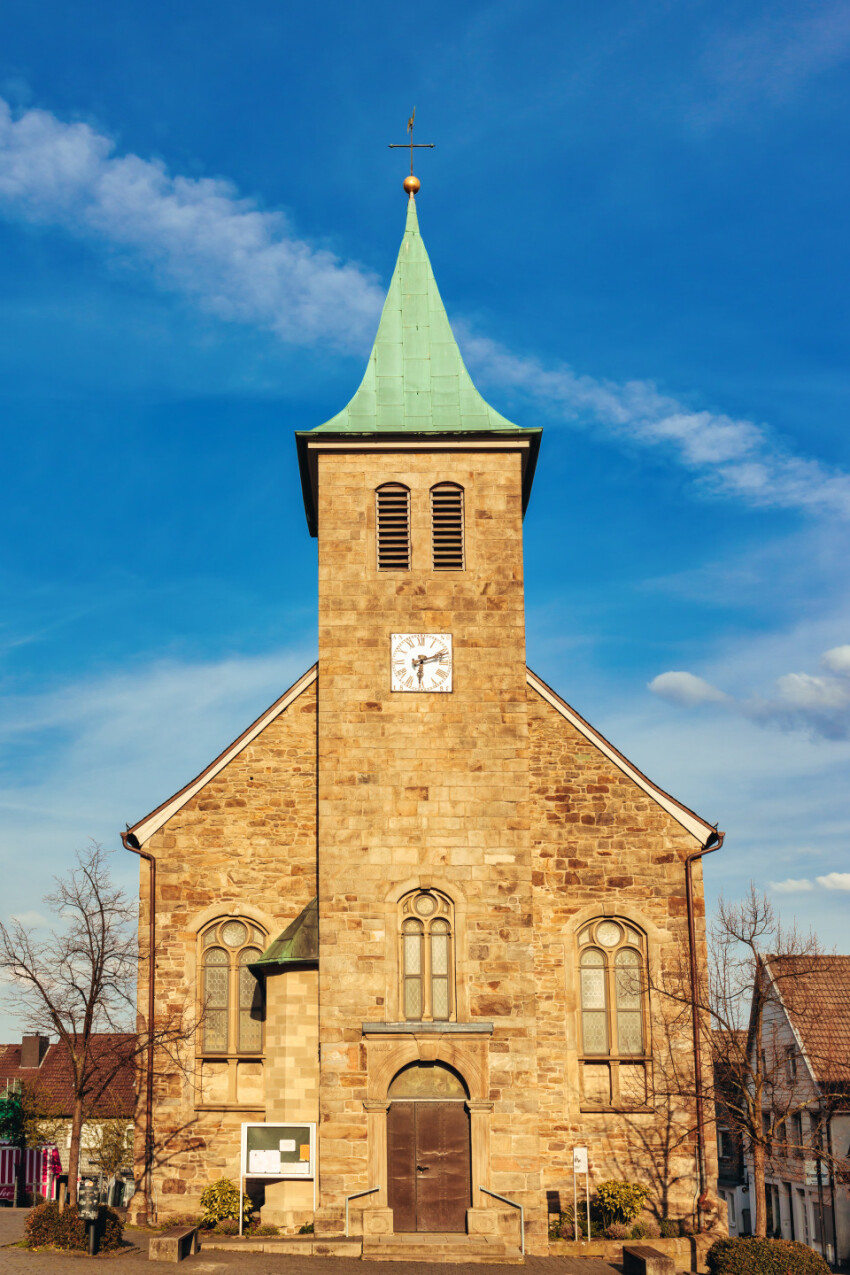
(601, 846)
(245, 844)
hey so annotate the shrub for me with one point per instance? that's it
(755, 1256)
(306, 1229)
(616, 1231)
(220, 1200)
(671, 1227)
(47, 1227)
(620, 1201)
(227, 1226)
(646, 1228)
(267, 1229)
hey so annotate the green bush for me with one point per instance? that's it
(220, 1200)
(754, 1256)
(617, 1231)
(645, 1229)
(46, 1227)
(619, 1201)
(306, 1229)
(672, 1227)
(267, 1229)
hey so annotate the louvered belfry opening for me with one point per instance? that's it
(392, 505)
(447, 527)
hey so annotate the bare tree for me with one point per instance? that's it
(80, 982)
(757, 973)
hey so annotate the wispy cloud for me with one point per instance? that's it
(816, 704)
(31, 920)
(792, 885)
(201, 238)
(835, 881)
(772, 59)
(198, 235)
(733, 457)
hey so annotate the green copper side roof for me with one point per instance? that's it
(298, 943)
(415, 379)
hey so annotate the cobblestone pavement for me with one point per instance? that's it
(134, 1261)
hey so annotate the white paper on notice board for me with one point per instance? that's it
(287, 1144)
(256, 1162)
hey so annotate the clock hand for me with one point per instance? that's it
(419, 672)
(426, 659)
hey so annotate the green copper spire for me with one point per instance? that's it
(416, 380)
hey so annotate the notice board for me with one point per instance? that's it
(278, 1150)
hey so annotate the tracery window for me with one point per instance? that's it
(231, 997)
(426, 957)
(447, 547)
(613, 1013)
(392, 527)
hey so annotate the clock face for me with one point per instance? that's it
(421, 661)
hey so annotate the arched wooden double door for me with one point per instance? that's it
(428, 1150)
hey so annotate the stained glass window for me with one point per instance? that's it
(232, 997)
(440, 969)
(250, 1004)
(412, 957)
(628, 993)
(215, 1000)
(594, 1011)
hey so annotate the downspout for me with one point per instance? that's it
(130, 842)
(714, 842)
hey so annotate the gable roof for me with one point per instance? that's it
(151, 823)
(111, 1052)
(815, 993)
(145, 828)
(416, 385)
(690, 821)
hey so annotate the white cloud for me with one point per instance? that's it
(199, 236)
(729, 456)
(686, 689)
(835, 881)
(791, 885)
(837, 660)
(31, 920)
(818, 706)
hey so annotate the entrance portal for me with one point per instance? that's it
(428, 1150)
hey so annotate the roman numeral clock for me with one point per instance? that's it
(421, 661)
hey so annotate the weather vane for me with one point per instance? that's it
(411, 183)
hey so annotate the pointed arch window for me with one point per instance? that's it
(426, 957)
(230, 995)
(447, 530)
(392, 523)
(613, 1011)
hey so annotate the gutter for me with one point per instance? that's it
(714, 842)
(130, 842)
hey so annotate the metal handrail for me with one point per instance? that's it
(356, 1196)
(513, 1205)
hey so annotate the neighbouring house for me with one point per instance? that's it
(42, 1071)
(805, 1050)
(732, 1180)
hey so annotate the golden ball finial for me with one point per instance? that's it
(411, 184)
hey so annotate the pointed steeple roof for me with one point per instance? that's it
(416, 385)
(416, 379)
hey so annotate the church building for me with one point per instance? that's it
(421, 902)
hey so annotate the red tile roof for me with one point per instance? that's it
(114, 1072)
(815, 991)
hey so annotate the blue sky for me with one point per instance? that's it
(636, 215)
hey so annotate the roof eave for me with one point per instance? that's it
(308, 470)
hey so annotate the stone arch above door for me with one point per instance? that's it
(386, 1058)
(420, 1080)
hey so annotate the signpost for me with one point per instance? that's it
(277, 1152)
(580, 1165)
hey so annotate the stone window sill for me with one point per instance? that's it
(623, 1109)
(414, 1028)
(229, 1106)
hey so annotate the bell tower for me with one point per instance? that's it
(416, 491)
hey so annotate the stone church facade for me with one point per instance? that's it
(421, 901)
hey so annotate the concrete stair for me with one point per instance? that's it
(435, 1247)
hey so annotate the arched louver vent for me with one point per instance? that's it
(392, 504)
(447, 527)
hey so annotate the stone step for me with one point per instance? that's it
(423, 1247)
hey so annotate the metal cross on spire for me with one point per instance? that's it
(411, 183)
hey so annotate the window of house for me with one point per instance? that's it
(725, 1148)
(231, 997)
(426, 956)
(447, 540)
(791, 1063)
(613, 1024)
(797, 1135)
(392, 523)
